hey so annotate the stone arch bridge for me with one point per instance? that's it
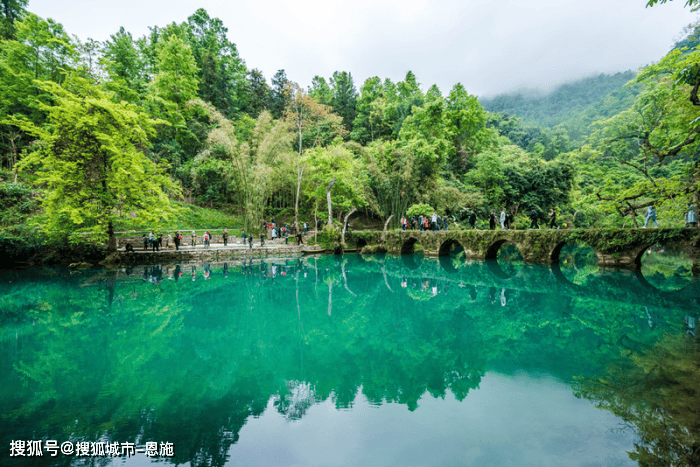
(614, 247)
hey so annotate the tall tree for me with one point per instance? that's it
(42, 51)
(257, 93)
(91, 157)
(176, 80)
(336, 176)
(407, 96)
(278, 97)
(366, 126)
(253, 163)
(125, 66)
(310, 117)
(221, 70)
(344, 97)
(465, 121)
(10, 11)
(321, 91)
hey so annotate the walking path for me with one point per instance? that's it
(270, 245)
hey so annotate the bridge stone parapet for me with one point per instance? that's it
(614, 247)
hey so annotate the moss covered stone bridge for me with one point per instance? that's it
(614, 247)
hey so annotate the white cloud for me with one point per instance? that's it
(488, 46)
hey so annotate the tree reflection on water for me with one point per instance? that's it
(655, 390)
(139, 355)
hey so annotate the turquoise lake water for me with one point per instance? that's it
(350, 361)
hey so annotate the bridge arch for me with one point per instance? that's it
(669, 270)
(556, 251)
(360, 244)
(409, 245)
(640, 254)
(492, 250)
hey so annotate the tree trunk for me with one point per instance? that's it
(300, 174)
(328, 197)
(386, 224)
(345, 222)
(696, 194)
(14, 154)
(330, 297)
(345, 279)
(112, 242)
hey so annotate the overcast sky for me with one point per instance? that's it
(488, 46)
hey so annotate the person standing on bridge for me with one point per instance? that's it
(403, 223)
(472, 219)
(445, 223)
(534, 216)
(651, 215)
(194, 239)
(503, 219)
(225, 237)
(177, 241)
(553, 219)
(433, 222)
(492, 221)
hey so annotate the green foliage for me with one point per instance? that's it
(42, 51)
(257, 93)
(89, 159)
(11, 11)
(490, 177)
(221, 71)
(335, 163)
(631, 145)
(419, 209)
(176, 80)
(185, 217)
(344, 97)
(278, 95)
(125, 65)
(17, 202)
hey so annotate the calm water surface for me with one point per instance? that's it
(352, 361)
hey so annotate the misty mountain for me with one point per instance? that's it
(561, 104)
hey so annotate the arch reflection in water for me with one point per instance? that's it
(412, 253)
(452, 255)
(504, 259)
(577, 262)
(665, 267)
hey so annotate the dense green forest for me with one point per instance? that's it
(103, 136)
